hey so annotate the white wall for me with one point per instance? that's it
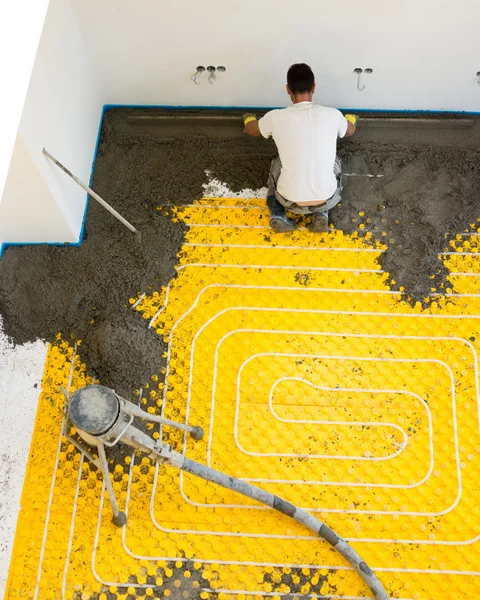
(21, 24)
(28, 211)
(425, 53)
(62, 112)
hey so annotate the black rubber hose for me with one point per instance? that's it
(286, 508)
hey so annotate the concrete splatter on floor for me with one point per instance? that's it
(21, 371)
(311, 377)
(215, 188)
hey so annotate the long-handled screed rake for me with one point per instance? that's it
(103, 419)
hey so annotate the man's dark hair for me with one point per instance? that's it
(300, 78)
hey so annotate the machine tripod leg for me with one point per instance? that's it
(119, 518)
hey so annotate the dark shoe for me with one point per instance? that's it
(282, 224)
(319, 223)
(279, 221)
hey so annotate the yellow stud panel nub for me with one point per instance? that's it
(312, 379)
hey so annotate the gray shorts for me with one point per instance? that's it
(275, 169)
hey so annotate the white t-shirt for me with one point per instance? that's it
(306, 137)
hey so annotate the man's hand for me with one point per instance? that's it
(352, 119)
(248, 118)
(352, 124)
(250, 124)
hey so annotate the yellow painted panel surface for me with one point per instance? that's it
(312, 379)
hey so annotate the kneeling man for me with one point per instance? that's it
(306, 176)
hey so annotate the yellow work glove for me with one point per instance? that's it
(352, 119)
(247, 118)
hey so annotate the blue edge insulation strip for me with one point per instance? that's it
(107, 107)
